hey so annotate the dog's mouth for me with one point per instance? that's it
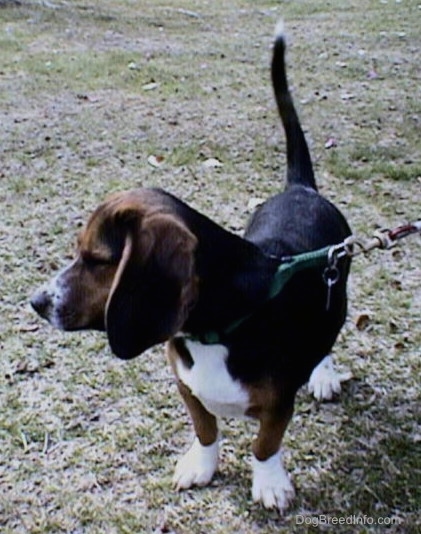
(61, 316)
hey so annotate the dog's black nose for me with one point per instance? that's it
(41, 302)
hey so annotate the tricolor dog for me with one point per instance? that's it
(151, 269)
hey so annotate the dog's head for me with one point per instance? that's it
(133, 275)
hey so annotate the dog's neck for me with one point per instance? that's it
(234, 279)
(234, 275)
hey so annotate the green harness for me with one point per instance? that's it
(286, 270)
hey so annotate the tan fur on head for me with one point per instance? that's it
(154, 286)
(134, 274)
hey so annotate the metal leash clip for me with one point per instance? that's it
(331, 273)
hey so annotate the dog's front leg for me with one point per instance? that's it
(271, 484)
(198, 465)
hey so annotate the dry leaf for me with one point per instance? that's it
(254, 202)
(331, 143)
(29, 328)
(363, 321)
(347, 96)
(212, 163)
(155, 161)
(150, 86)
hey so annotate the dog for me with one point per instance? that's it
(151, 269)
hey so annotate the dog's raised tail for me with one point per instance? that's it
(300, 168)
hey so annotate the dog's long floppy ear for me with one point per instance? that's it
(154, 286)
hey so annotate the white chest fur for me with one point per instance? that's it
(209, 380)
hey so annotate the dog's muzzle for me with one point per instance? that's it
(42, 303)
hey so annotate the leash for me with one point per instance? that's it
(382, 239)
(329, 257)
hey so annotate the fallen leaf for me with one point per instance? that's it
(254, 202)
(155, 161)
(331, 143)
(27, 367)
(150, 86)
(163, 529)
(29, 328)
(363, 321)
(212, 163)
(393, 326)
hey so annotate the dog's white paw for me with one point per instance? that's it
(197, 466)
(325, 381)
(271, 484)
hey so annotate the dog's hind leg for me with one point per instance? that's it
(325, 381)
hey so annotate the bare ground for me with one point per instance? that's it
(89, 91)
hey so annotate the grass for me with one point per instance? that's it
(89, 443)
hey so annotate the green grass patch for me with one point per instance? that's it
(372, 163)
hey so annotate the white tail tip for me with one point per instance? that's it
(280, 30)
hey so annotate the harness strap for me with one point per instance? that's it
(286, 270)
(293, 264)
